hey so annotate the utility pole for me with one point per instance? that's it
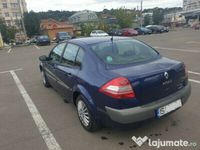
(141, 17)
(22, 15)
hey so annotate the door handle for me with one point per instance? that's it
(69, 74)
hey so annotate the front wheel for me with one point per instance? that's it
(85, 116)
(45, 80)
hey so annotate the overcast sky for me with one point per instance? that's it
(97, 5)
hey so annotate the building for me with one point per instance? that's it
(83, 16)
(12, 12)
(109, 19)
(174, 19)
(51, 27)
(191, 11)
(190, 5)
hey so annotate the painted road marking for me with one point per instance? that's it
(41, 125)
(195, 81)
(9, 50)
(196, 73)
(192, 42)
(11, 70)
(36, 46)
(176, 49)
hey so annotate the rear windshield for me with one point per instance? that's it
(123, 52)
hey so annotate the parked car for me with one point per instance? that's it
(61, 36)
(115, 82)
(155, 28)
(164, 29)
(43, 40)
(33, 40)
(115, 32)
(129, 32)
(196, 26)
(143, 30)
(97, 33)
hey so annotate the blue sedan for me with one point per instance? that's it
(115, 81)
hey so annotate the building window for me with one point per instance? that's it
(7, 15)
(16, 14)
(14, 5)
(5, 5)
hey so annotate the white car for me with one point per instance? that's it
(98, 33)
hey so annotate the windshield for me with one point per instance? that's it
(43, 37)
(63, 34)
(100, 31)
(123, 52)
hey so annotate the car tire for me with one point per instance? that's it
(85, 117)
(45, 80)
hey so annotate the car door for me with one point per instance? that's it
(55, 57)
(68, 69)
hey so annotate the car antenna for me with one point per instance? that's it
(112, 42)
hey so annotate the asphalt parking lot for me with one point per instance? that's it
(26, 107)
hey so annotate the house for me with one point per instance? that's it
(83, 16)
(109, 19)
(51, 27)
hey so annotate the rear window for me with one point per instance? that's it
(123, 52)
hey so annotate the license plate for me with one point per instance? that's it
(168, 108)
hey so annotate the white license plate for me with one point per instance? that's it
(168, 108)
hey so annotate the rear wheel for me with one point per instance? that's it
(85, 116)
(45, 80)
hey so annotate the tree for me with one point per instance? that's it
(147, 20)
(158, 15)
(32, 23)
(3, 29)
(8, 32)
(87, 28)
(124, 17)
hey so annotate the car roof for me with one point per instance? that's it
(94, 40)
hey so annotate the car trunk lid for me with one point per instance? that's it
(154, 80)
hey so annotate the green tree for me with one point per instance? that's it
(8, 32)
(158, 15)
(3, 29)
(147, 20)
(32, 23)
(87, 28)
(124, 17)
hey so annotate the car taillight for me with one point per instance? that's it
(186, 72)
(119, 88)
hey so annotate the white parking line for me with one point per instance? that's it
(9, 50)
(36, 46)
(176, 49)
(196, 73)
(11, 70)
(41, 125)
(192, 42)
(195, 81)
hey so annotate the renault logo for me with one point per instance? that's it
(166, 75)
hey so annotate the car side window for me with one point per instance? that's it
(56, 53)
(79, 57)
(70, 54)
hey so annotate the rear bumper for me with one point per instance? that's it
(140, 113)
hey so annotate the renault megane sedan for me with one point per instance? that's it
(115, 81)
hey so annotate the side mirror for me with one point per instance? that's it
(73, 37)
(44, 58)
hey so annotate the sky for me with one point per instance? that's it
(97, 5)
